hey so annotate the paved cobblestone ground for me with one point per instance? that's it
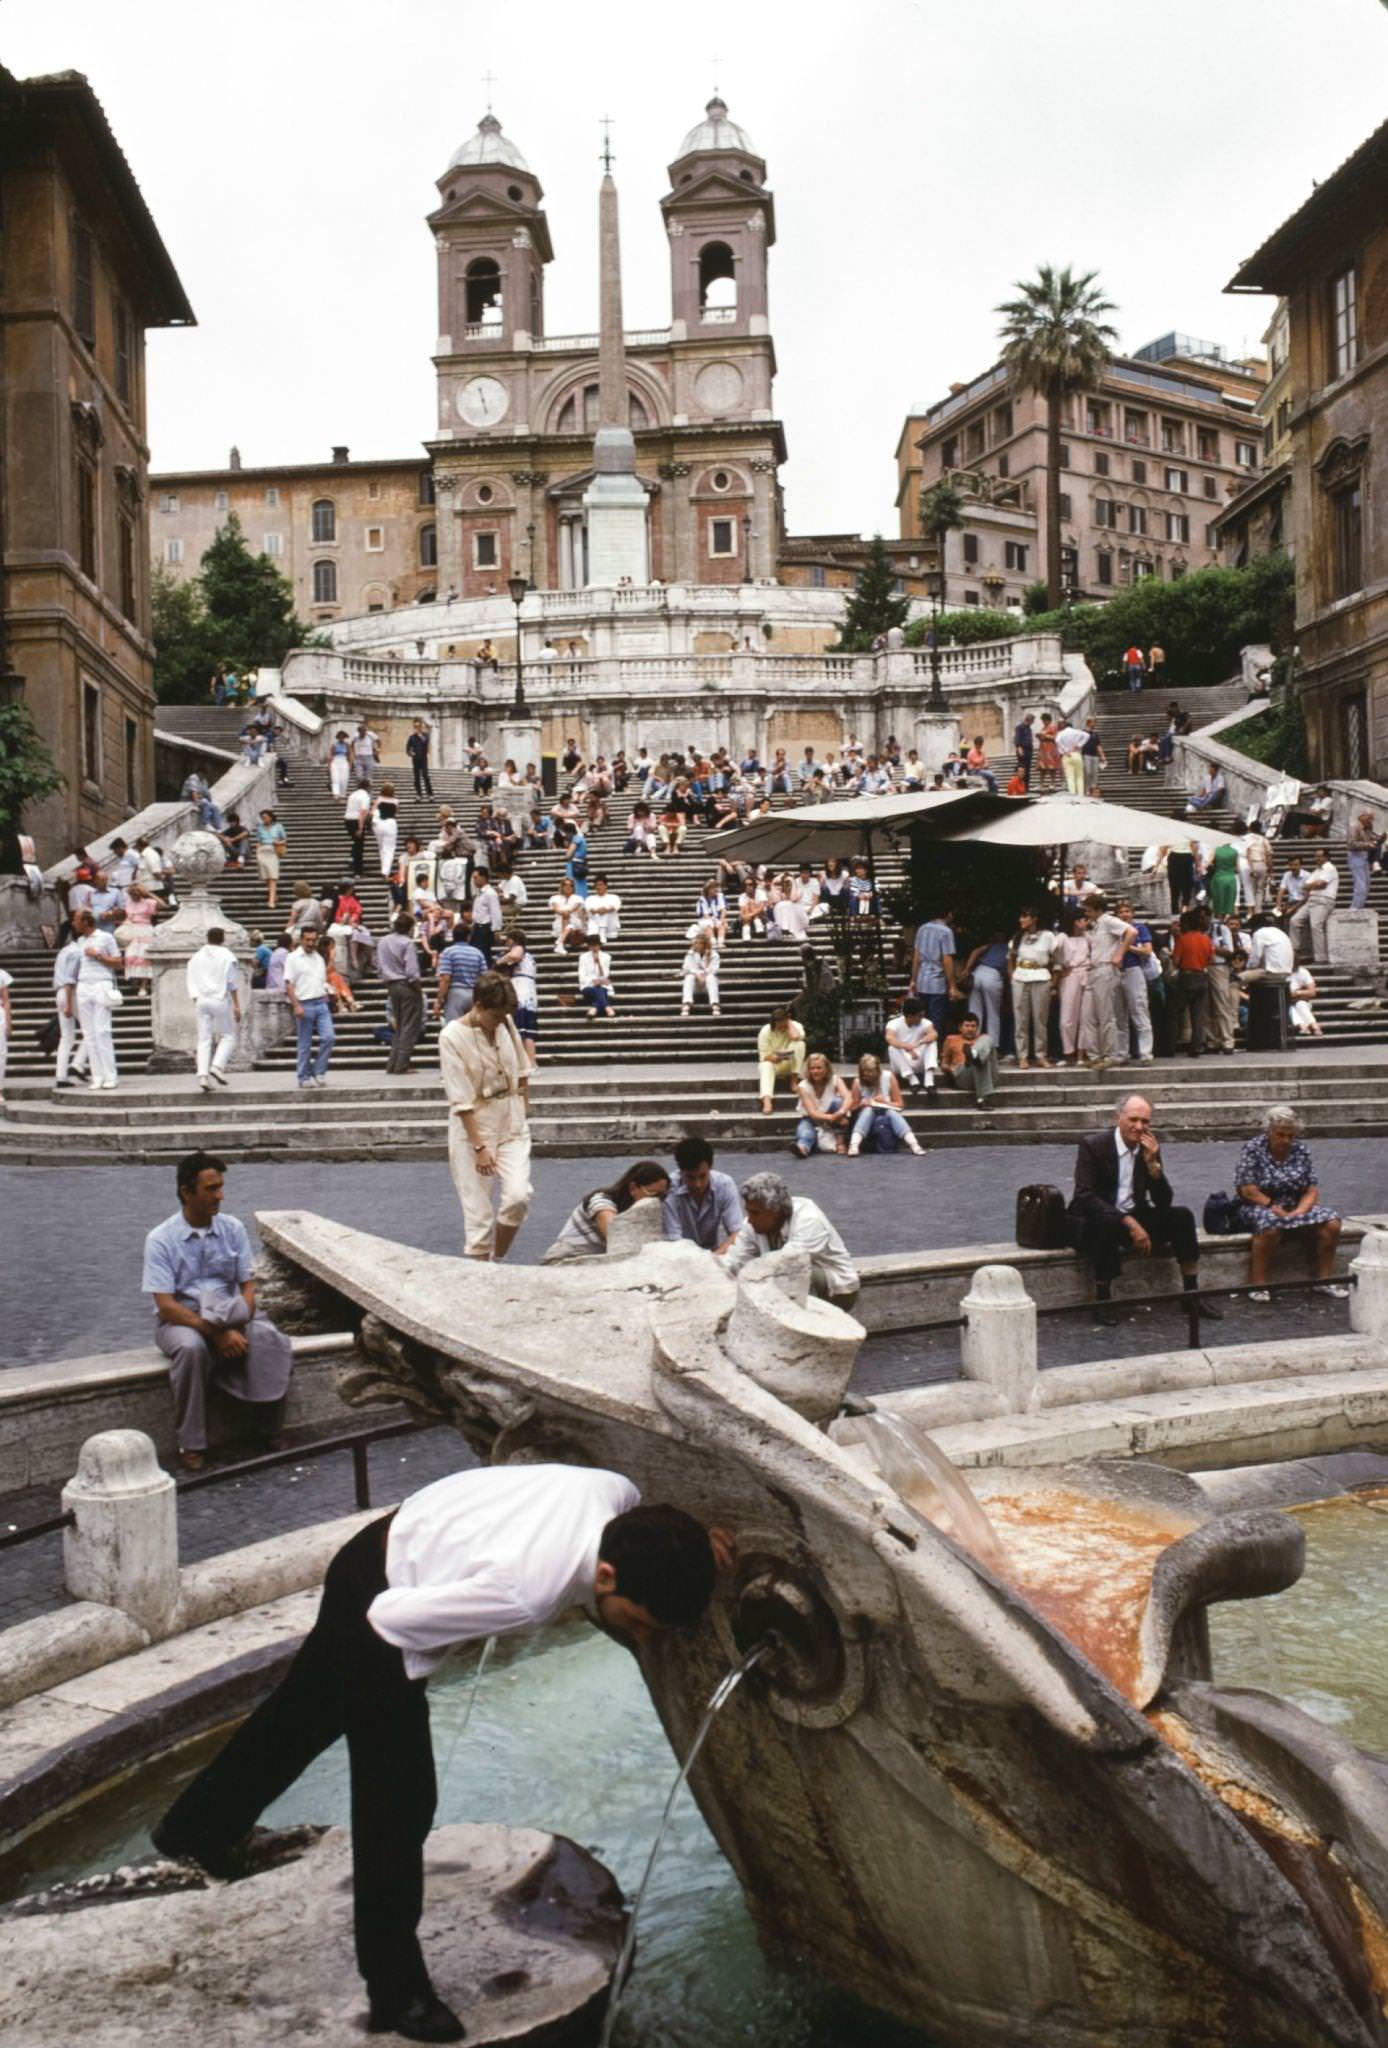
(70, 1267)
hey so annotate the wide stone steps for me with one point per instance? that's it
(587, 1115)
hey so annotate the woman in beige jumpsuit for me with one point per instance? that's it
(486, 1075)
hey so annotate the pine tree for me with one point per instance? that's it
(874, 607)
(183, 655)
(249, 606)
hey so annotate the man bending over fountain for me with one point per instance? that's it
(1122, 1203)
(488, 1552)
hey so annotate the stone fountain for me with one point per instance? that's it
(1005, 1803)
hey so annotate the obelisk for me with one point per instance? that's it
(614, 502)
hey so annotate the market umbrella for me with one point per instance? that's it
(842, 830)
(1062, 820)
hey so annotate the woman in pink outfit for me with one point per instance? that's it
(1072, 958)
(140, 910)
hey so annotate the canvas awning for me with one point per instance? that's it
(844, 830)
(1064, 820)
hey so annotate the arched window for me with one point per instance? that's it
(325, 583)
(483, 286)
(324, 520)
(570, 422)
(428, 547)
(717, 283)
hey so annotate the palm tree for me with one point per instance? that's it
(1055, 339)
(942, 509)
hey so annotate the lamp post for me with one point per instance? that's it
(936, 580)
(518, 586)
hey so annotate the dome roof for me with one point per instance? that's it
(716, 131)
(488, 146)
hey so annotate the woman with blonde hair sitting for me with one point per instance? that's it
(824, 1109)
(701, 972)
(875, 1106)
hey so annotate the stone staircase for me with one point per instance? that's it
(650, 1073)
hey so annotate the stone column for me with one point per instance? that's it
(1368, 1300)
(198, 859)
(999, 1341)
(123, 1550)
(937, 736)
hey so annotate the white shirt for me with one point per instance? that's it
(306, 974)
(809, 1230)
(68, 964)
(1328, 873)
(1035, 951)
(594, 967)
(89, 970)
(490, 1552)
(1070, 739)
(1272, 950)
(486, 907)
(358, 803)
(1126, 1162)
(790, 916)
(212, 974)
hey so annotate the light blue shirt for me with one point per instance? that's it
(462, 964)
(709, 1222)
(934, 944)
(180, 1259)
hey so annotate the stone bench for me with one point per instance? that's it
(47, 1412)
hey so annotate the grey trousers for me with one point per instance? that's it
(1134, 1011)
(1031, 1009)
(1222, 1010)
(1103, 996)
(407, 1015)
(979, 1073)
(1312, 916)
(192, 1367)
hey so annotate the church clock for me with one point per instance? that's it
(483, 401)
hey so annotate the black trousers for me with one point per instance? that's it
(1102, 1240)
(357, 841)
(422, 785)
(345, 1681)
(1186, 996)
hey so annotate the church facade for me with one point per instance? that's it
(510, 460)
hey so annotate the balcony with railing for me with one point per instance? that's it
(584, 344)
(718, 316)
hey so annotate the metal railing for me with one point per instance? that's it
(358, 1442)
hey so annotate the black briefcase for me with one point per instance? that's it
(1041, 1225)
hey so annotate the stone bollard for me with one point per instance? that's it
(198, 859)
(999, 1341)
(123, 1551)
(1368, 1300)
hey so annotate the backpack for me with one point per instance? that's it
(1041, 1222)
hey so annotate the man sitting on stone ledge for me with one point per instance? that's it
(198, 1268)
(497, 1551)
(1122, 1203)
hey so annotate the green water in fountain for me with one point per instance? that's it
(562, 1735)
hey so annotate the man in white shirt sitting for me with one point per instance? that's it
(495, 1551)
(778, 1221)
(213, 981)
(1270, 957)
(913, 1047)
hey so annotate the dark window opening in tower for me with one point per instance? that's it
(483, 293)
(717, 283)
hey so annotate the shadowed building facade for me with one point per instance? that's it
(1329, 261)
(85, 273)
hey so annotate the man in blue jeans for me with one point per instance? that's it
(932, 968)
(306, 985)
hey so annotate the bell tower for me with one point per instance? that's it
(493, 244)
(721, 220)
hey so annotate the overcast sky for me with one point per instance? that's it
(923, 154)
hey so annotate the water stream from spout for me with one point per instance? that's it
(488, 1646)
(920, 1474)
(718, 1699)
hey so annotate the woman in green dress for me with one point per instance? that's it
(1224, 880)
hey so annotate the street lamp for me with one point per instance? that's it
(935, 581)
(518, 586)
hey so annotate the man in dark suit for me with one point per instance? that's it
(1122, 1203)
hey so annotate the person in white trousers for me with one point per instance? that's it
(214, 979)
(340, 766)
(65, 1003)
(96, 986)
(913, 1047)
(486, 1076)
(701, 972)
(1071, 741)
(1311, 919)
(385, 824)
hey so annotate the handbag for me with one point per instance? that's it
(1041, 1220)
(48, 1036)
(1219, 1218)
(111, 996)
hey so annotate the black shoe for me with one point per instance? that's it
(1205, 1307)
(220, 1079)
(1105, 1316)
(224, 1863)
(424, 2017)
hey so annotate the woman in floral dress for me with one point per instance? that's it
(141, 909)
(1275, 1183)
